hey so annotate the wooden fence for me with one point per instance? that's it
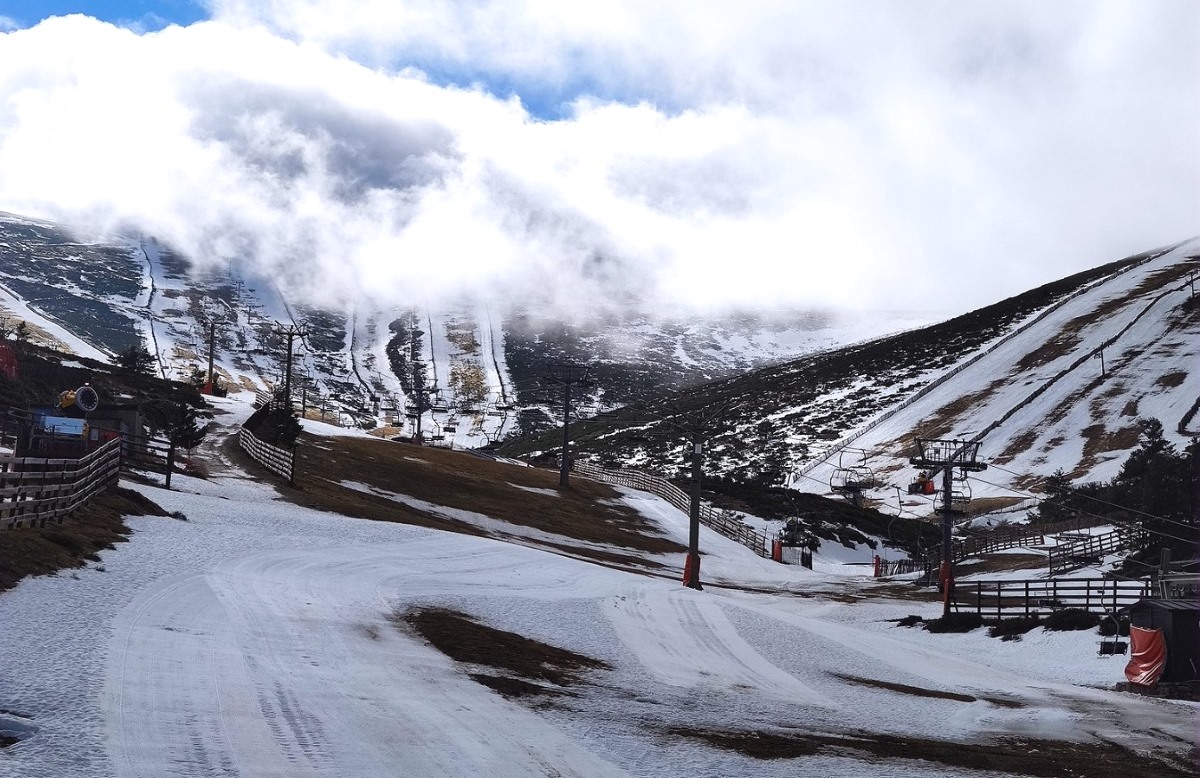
(142, 452)
(280, 461)
(1010, 599)
(1089, 549)
(723, 522)
(1014, 536)
(35, 491)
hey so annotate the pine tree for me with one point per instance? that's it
(136, 359)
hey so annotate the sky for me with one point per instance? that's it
(678, 155)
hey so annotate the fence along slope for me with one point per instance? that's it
(35, 491)
(709, 516)
(280, 461)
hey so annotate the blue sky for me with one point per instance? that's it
(148, 14)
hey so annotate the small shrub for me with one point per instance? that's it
(955, 622)
(1071, 619)
(178, 515)
(1013, 629)
(1110, 627)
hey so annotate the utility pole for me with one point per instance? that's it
(697, 427)
(945, 455)
(292, 331)
(1100, 356)
(567, 374)
(212, 339)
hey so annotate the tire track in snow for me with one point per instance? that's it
(685, 640)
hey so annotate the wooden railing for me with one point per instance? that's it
(721, 521)
(1088, 550)
(142, 452)
(35, 491)
(1011, 537)
(902, 566)
(280, 461)
(1001, 599)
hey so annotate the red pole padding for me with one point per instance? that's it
(1147, 656)
(876, 574)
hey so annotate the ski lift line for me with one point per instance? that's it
(935, 383)
(1043, 501)
(1103, 502)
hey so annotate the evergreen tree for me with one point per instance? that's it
(1060, 502)
(136, 359)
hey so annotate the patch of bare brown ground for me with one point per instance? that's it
(75, 542)
(919, 691)
(1020, 756)
(1062, 343)
(1171, 380)
(586, 511)
(996, 563)
(942, 422)
(525, 667)
(1098, 440)
(982, 505)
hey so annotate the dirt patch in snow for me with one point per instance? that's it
(1041, 758)
(996, 563)
(586, 511)
(1097, 440)
(918, 691)
(1171, 380)
(526, 667)
(1062, 343)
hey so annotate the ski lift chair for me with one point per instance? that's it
(1112, 645)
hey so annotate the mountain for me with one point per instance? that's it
(476, 370)
(1053, 378)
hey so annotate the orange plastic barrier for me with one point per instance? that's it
(1147, 656)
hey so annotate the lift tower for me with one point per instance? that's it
(945, 455)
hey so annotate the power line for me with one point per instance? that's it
(1104, 502)
(1047, 501)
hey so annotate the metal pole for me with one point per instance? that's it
(564, 472)
(212, 337)
(691, 570)
(947, 526)
(287, 375)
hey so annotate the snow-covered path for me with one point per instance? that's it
(286, 664)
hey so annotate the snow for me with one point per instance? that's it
(1141, 344)
(20, 308)
(260, 638)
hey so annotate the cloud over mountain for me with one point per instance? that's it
(671, 153)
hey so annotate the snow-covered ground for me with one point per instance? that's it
(259, 638)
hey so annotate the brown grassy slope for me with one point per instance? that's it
(97, 526)
(584, 512)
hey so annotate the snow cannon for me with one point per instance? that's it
(79, 402)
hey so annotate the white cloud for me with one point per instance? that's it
(8, 24)
(856, 154)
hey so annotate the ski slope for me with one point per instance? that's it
(1065, 391)
(259, 638)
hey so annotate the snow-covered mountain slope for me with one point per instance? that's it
(1064, 392)
(1024, 376)
(472, 373)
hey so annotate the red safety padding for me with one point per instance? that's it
(1147, 656)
